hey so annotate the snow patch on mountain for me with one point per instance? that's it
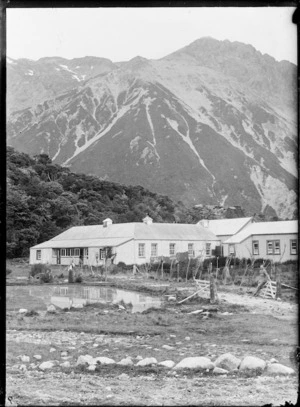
(147, 103)
(274, 193)
(10, 61)
(97, 137)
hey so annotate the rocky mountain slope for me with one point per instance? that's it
(213, 123)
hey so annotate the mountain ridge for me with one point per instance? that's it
(171, 123)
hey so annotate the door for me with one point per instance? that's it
(58, 256)
(81, 257)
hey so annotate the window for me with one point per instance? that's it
(231, 249)
(153, 249)
(141, 249)
(76, 252)
(102, 254)
(54, 252)
(273, 246)
(63, 252)
(294, 248)
(86, 252)
(38, 254)
(191, 249)
(172, 249)
(208, 249)
(255, 247)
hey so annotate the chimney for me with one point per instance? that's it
(147, 220)
(107, 222)
(204, 223)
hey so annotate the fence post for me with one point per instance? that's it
(177, 267)
(213, 290)
(278, 283)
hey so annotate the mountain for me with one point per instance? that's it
(32, 82)
(212, 123)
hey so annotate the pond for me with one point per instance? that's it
(66, 296)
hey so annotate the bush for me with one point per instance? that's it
(46, 277)
(78, 279)
(38, 269)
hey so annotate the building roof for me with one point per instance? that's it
(224, 227)
(119, 233)
(265, 228)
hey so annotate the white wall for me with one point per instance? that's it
(46, 256)
(244, 249)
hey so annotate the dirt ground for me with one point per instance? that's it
(239, 324)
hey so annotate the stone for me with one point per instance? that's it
(51, 308)
(139, 357)
(25, 358)
(167, 363)
(219, 370)
(23, 368)
(167, 347)
(147, 362)
(64, 354)
(252, 363)
(172, 336)
(85, 359)
(65, 364)
(227, 361)
(123, 376)
(23, 311)
(125, 362)
(171, 298)
(104, 361)
(92, 368)
(37, 357)
(198, 362)
(95, 345)
(46, 365)
(77, 306)
(278, 369)
(187, 338)
(273, 360)
(52, 350)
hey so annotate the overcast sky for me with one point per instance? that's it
(123, 33)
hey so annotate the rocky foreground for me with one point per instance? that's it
(175, 356)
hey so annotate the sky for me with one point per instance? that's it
(120, 34)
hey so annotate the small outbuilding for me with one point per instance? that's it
(269, 240)
(131, 243)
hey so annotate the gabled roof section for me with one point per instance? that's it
(224, 227)
(119, 233)
(265, 228)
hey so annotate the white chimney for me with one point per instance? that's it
(147, 220)
(204, 223)
(107, 222)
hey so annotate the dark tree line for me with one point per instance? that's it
(45, 199)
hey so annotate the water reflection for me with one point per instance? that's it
(38, 297)
(65, 297)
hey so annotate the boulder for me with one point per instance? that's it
(168, 347)
(46, 365)
(123, 376)
(139, 357)
(25, 358)
(63, 354)
(91, 368)
(85, 359)
(147, 362)
(37, 357)
(102, 360)
(52, 350)
(227, 361)
(273, 360)
(23, 311)
(172, 298)
(125, 362)
(252, 363)
(23, 368)
(51, 308)
(167, 363)
(219, 370)
(278, 369)
(198, 362)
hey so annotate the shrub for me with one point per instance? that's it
(46, 277)
(38, 269)
(78, 279)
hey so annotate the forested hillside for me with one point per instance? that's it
(44, 199)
